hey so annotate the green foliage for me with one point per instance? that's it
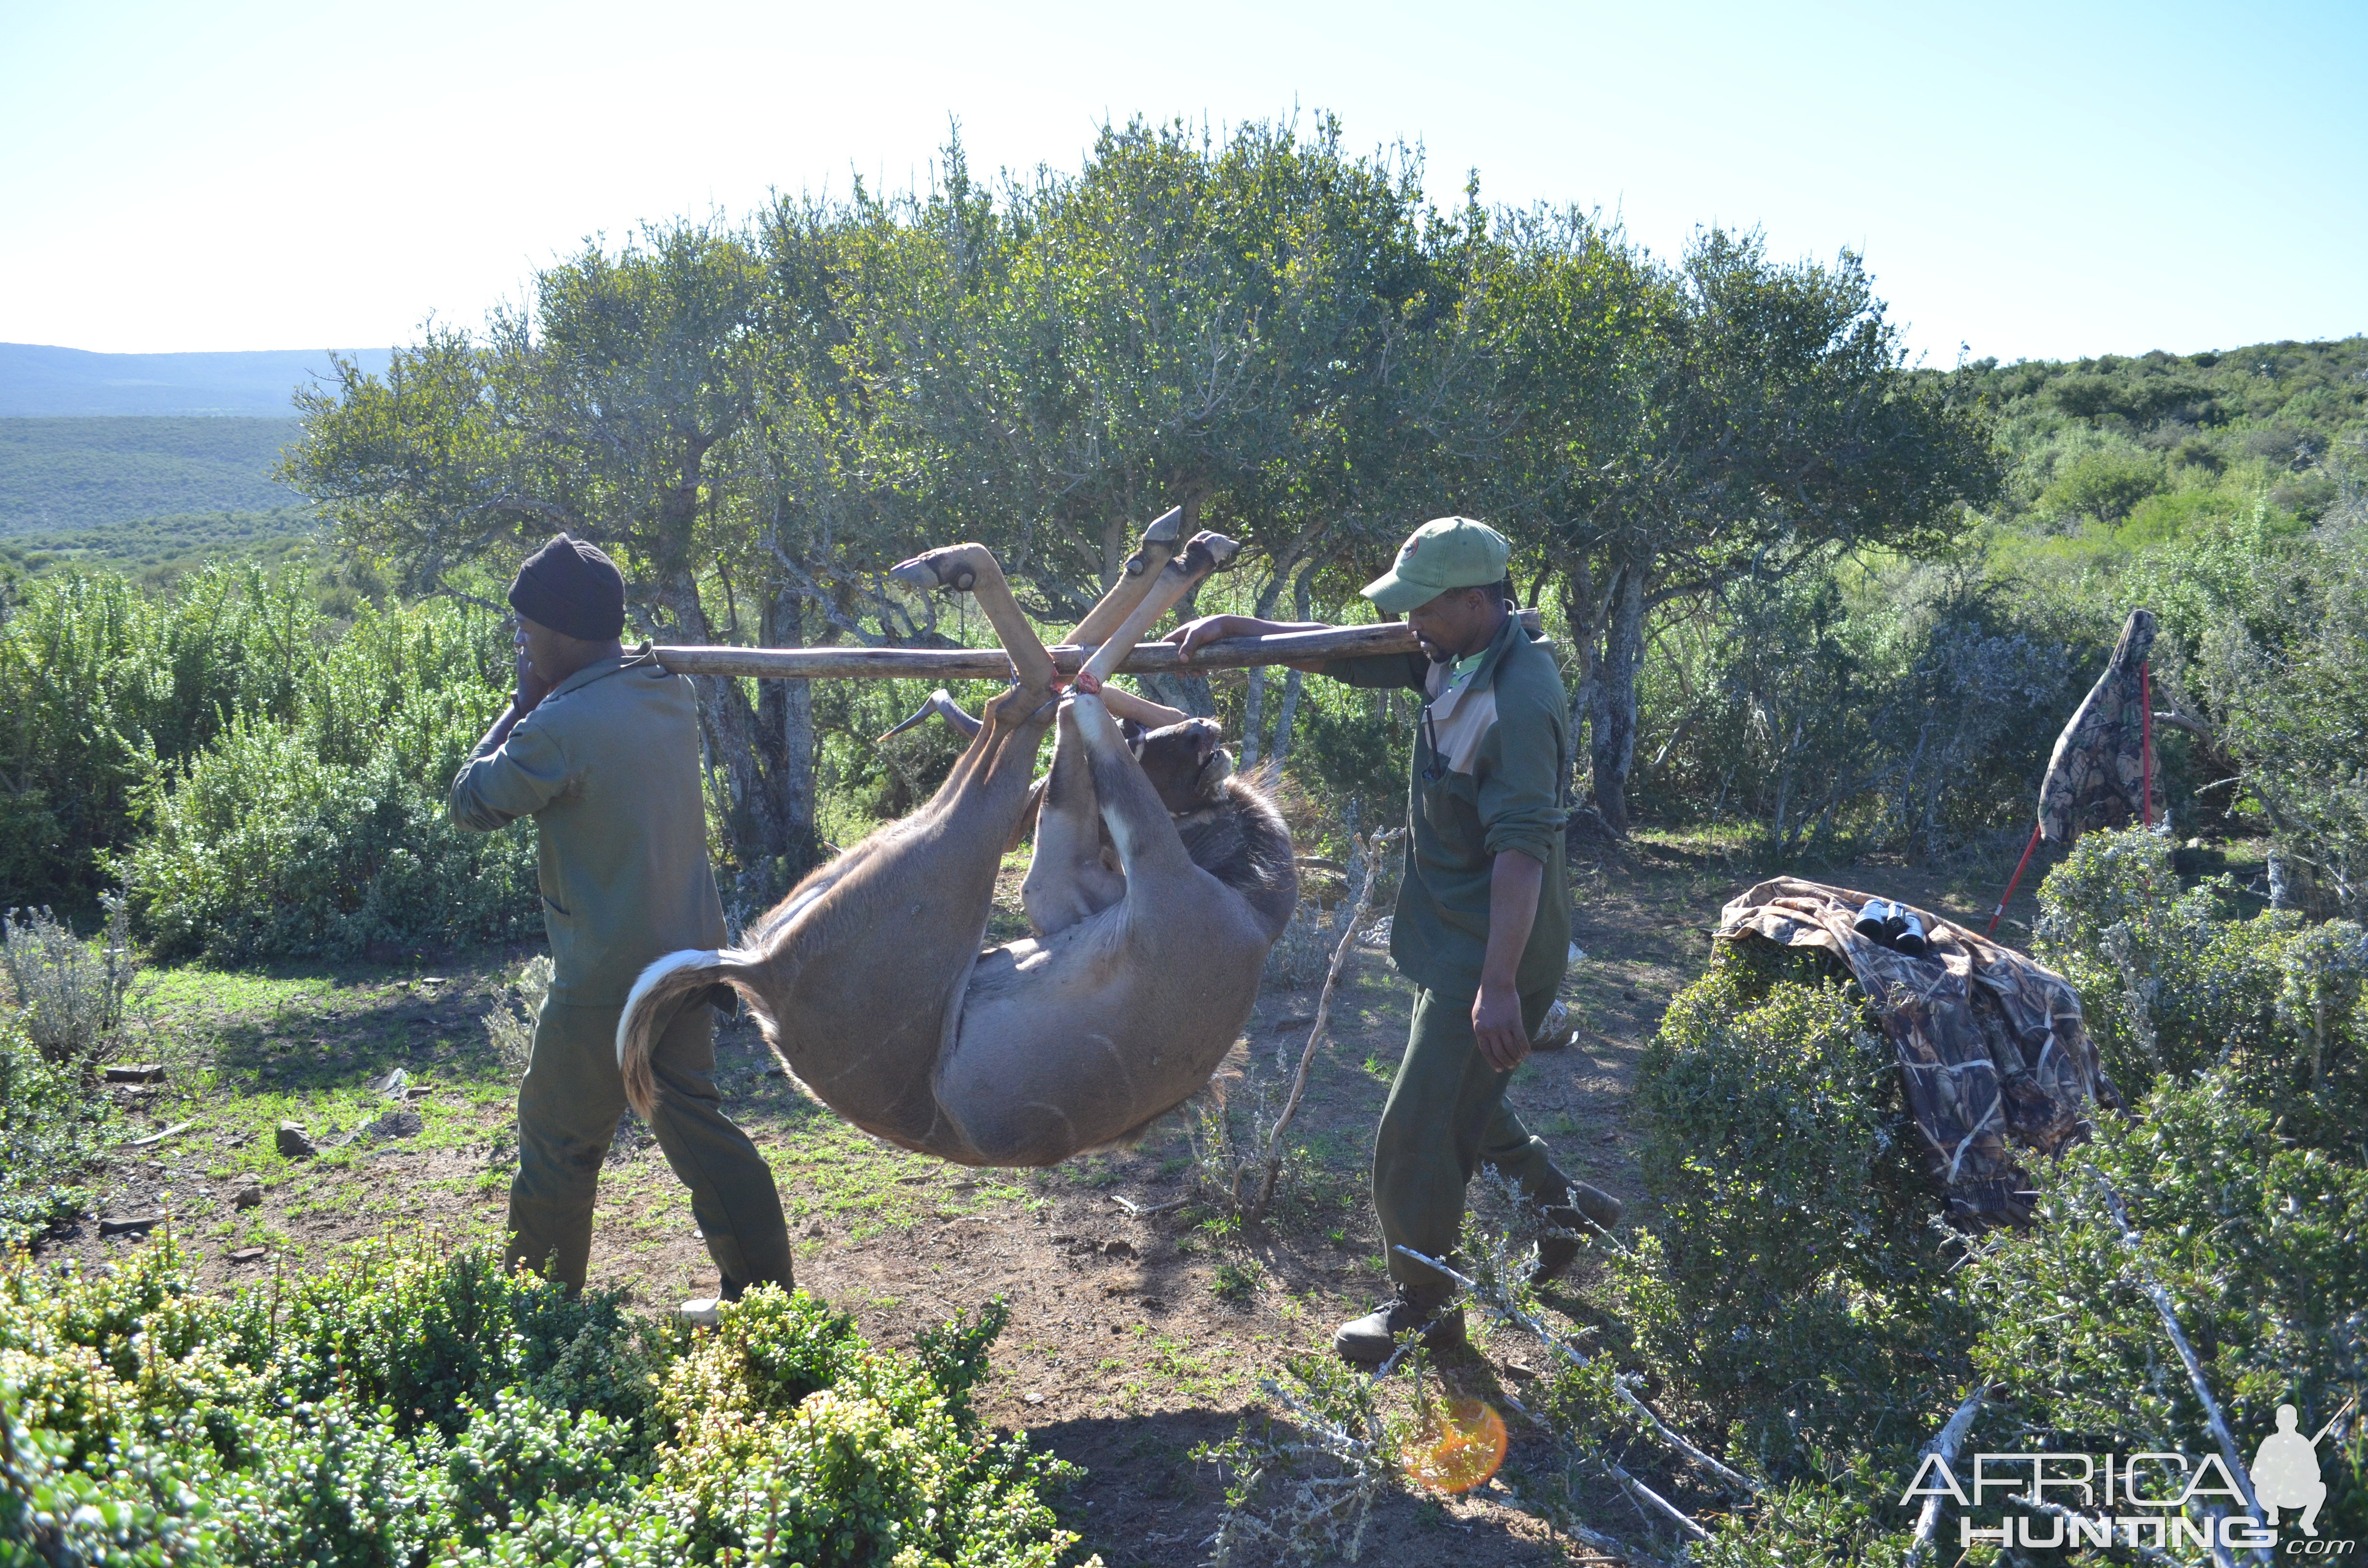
(416, 1406)
(155, 552)
(65, 474)
(1797, 1289)
(1914, 713)
(324, 832)
(53, 1125)
(2174, 985)
(2105, 483)
(2255, 1239)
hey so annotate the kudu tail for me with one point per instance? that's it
(656, 992)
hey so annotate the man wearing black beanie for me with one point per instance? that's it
(601, 748)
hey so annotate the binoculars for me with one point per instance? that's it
(1892, 925)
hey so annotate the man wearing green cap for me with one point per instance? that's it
(601, 748)
(1483, 918)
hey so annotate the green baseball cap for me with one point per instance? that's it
(1444, 553)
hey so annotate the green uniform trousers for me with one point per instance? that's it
(1445, 1117)
(569, 1104)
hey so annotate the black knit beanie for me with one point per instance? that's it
(571, 587)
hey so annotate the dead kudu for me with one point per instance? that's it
(869, 981)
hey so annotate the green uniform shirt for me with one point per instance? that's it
(1487, 777)
(607, 765)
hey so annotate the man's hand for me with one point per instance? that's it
(528, 687)
(1195, 635)
(1513, 884)
(1496, 1025)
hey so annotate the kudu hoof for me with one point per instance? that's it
(1163, 531)
(937, 569)
(1208, 552)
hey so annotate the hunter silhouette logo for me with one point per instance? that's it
(2285, 1471)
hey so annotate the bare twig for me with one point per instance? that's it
(2161, 1299)
(1501, 1303)
(1944, 1449)
(1373, 846)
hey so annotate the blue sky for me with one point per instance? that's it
(2029, 180)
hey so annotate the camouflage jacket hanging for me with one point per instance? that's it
(2097, 775)
(1992, 1054)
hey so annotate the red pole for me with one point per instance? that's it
(2011, 883)
(2146, 739)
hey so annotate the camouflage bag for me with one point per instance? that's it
(1992, 1053)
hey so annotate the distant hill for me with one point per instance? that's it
(38, 380)
(63, 476)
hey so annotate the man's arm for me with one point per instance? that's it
(501, 783)
(1195, 635)
(1513, 883)
(1380, 671)
(527, 692)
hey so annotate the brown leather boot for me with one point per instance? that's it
(1368, 1340)
(1558, 1249)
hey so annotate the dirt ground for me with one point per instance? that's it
(1136, 1333)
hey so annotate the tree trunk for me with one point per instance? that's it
(1293, 681)
(1582, 614)
(1253, 715)
(748, 748)
(1613, 740)
(785, 711)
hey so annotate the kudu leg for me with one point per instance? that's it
(1159, 546)
(1206, 553)
(973, 568)
(1068, 878)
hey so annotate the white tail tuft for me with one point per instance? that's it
(651, 978)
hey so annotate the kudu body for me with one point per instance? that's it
(869, 981)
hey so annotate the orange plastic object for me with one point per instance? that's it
(1458, 1448)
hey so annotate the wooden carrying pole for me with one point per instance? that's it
(989, 664)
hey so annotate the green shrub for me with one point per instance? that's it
(107, 685)
(52, 1125)
(1796, 1289)
(2257, 1242)
(2174, 985)
(416, 1406)
(326, 833)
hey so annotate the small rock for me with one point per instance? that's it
(138, 1225)
(249, 1196)
(136, 1073)
(294, 1142)
(392, 1083)
(816, 1229)
(393, 1124)
(1058, 1237)
(702, 1311)
(249, 1255)
(1032, 1397)
(1120, 1248)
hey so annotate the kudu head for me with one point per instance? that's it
(1187, 763)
